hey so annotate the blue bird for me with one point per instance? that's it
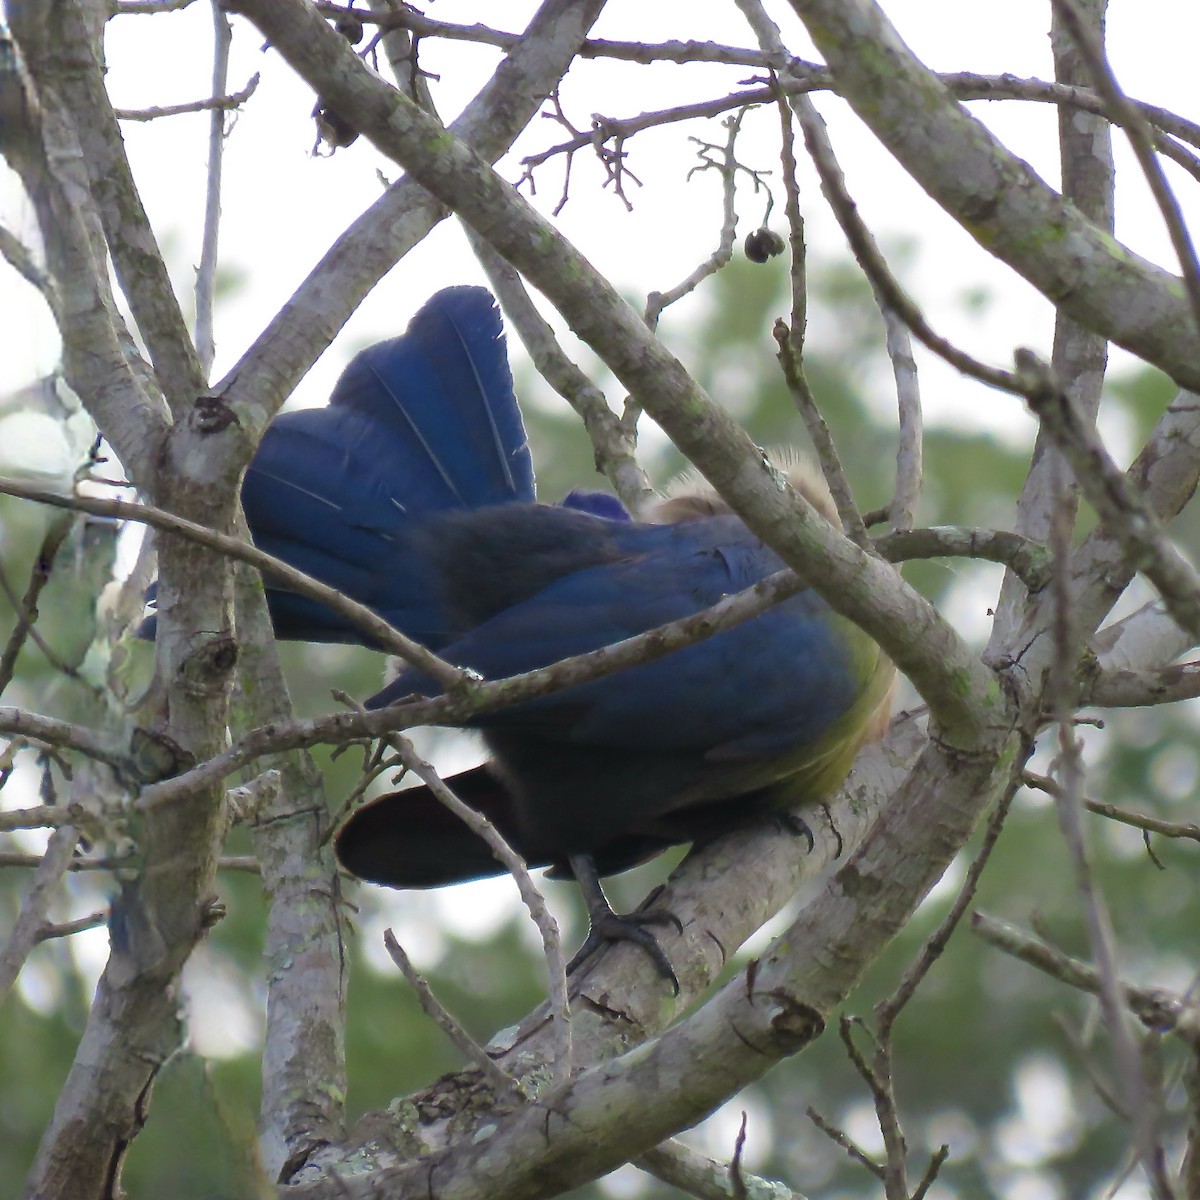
(413, 493)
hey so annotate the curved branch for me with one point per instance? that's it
(76, 72)
(996, 196)
(374, 626)
(62, 734)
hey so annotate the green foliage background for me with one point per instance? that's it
(991, 1057)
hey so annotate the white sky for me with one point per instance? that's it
(283, 207)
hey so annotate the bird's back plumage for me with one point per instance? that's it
(413, 493)
(766, 715)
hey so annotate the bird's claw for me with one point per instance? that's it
(790, 822)
(609, 927)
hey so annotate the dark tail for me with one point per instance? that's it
(410, 839)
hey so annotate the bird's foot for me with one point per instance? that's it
(794, 824)
(608, 926)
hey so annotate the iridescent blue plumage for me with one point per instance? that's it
(413, 493)
(420, 424)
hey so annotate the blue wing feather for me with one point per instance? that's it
(441, 400)
(423, 423)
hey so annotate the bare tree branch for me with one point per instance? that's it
(998, 198)
(1125, 512)
(1156, 1008)
(130, 240)
(36, 904)
(789, 337)
(227, 102)
(375, 626)
(206, 273)
(1087, 35)
(705, 1178)
(99, 357)
(433, 1009)
(63, 734)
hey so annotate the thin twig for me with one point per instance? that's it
(909, 474)
(547, 926)
(789, 336)
(206, 272)
(556, 963)
(1155, 1007)
(887, 1010)
(1143, 821)
(1079, 1042)
(836, 1135)
(1070, 808)
(51, 867)
(375, 626)
(818, 431)
(720, 257)
(18, 256)
(1141, 140)
(965, 85)
(936, 1161)
(888, 291)
(640, 52)
(70, 928)
(236, 862)
(706, 1178)
(224, 102)
(26, 608)
(878, 1076)
(910, 471)
(433, 1008)
(728, 169)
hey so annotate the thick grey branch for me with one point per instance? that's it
(76, 71)
(998, 198)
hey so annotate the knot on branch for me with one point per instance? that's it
(154, 756)
(857, 885)
(796, 1024)
(206, 666)
(211, 414)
